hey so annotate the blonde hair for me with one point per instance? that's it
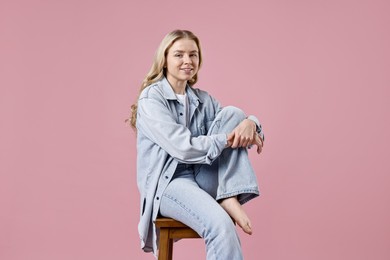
(157, 71)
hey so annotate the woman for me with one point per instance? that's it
(192, 161)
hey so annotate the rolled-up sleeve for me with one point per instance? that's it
(157, 122)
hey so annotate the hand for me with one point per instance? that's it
(243, 135)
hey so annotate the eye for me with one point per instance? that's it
(194, 55)
(178, 55)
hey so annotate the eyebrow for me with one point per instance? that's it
(180, 51)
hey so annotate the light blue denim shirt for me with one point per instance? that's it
(162, 143)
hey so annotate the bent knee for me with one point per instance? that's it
(234, 113)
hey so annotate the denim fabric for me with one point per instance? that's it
(163, 143)
(191, 197)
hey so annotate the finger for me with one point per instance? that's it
(236, 141)
(259, 144)
(247, 141)
(259, 140)
(229, 139)
(241, 141)
(259, 149)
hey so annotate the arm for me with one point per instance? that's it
(156, 121)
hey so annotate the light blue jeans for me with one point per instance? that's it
(192, 195)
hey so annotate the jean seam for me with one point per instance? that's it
(192, 215)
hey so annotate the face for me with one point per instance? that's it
(182, 61)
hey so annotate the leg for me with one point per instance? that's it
(230, 179)
(185, 201)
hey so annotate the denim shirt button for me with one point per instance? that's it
(181, 114)
(166, 177)
(157, 198)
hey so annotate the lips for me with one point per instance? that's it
(187, 71)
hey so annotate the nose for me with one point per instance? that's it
(187, 59)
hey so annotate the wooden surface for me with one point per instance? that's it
(171, 229)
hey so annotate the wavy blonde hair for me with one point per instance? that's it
(157, 71)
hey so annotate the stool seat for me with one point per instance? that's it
(171, 229)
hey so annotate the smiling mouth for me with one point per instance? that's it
(187, 69)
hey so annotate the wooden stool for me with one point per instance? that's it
(171, 229)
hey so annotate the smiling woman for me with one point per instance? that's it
(182, 64)
(193, 162)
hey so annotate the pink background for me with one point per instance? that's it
(316, 73)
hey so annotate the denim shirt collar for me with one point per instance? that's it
(169, 94)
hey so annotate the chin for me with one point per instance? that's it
(187, 78)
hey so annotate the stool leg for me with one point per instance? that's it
(165, 247)
(170, 249)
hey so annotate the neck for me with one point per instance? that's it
(178, 86)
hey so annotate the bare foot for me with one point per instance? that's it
(235, 210)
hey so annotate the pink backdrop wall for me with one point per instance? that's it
(315, 72)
